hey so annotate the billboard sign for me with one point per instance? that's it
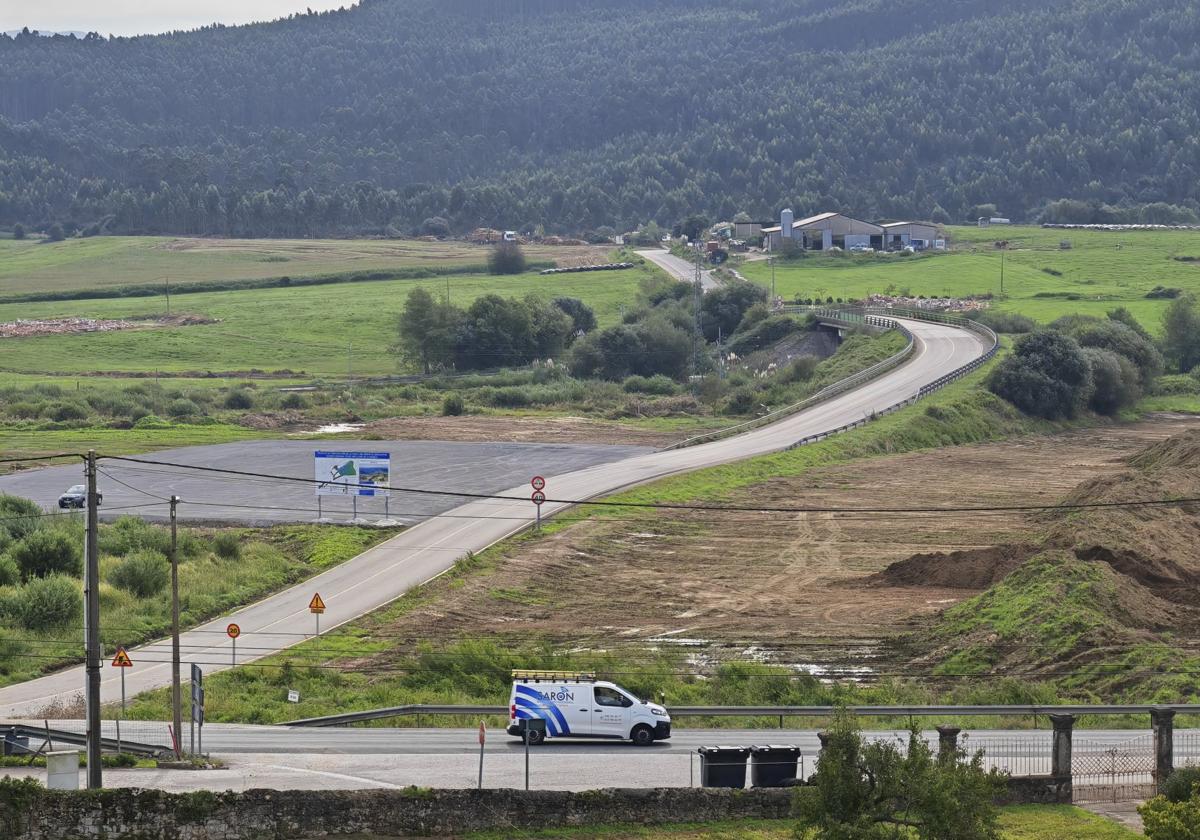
(353, 473)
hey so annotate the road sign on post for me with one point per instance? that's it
(122, 661)
(482, 740)
(233, 631)
(539, 497)
(317, 606)
(538, 483)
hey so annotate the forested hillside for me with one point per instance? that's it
(575, 114)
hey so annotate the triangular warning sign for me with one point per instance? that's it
(122, 660)
(316, 604)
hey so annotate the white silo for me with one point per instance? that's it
(785, 221)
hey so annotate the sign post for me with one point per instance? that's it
(539, 497)
(233, 632)
(316, 606)
(122, 661)
(197, 709)
(482, 739)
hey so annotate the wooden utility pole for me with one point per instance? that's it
(91, 628)
(176, 707)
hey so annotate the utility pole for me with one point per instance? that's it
(168, 279)
(91, 628)
(1002, 273)
(176, 707)
(698, 284)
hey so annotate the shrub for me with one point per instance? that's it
(65, 412)
(294, 401)
(239, 400)
(1167, 820)
(51, 602)
(1181, 785)
(144, 573)
(129, 534)
(506, 258)
(452, 405)
(152, 421)
(1046, 376)
(799, 370)
(227, 545)
(10, 572)
(18, 231)
(658, 385)
(511, 398)
(182, 408)
(19, 516)
(47, 552)
(741, 401)
(1115, 381)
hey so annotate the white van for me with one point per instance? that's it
(580, 706)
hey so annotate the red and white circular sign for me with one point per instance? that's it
(538, 483)
(538, 497)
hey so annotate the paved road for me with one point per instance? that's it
(273, 757)
(386, 572)
(680, 269)
(470, 467)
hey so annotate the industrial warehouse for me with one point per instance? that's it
(837, 230)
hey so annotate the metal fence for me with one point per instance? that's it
(1186, 748)
(1025, 755)
(1103, 772)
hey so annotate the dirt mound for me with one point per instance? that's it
(975, 568)
(1177, 452)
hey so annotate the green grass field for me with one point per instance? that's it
(320, 330)
(1094, 275)
(32, 266)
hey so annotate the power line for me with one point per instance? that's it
(687, 507)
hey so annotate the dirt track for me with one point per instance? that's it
(762, 580)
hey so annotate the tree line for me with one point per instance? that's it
(386, 116)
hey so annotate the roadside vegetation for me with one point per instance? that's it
(41, 565)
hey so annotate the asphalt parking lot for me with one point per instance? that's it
(422, 465)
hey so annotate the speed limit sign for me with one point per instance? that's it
(538, 497)
(538, 483)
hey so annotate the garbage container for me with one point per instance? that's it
(773, 765)
(723, 767)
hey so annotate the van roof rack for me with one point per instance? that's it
(574, 676)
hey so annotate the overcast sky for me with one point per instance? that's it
(136, 17)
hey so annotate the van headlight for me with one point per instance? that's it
(659, 712)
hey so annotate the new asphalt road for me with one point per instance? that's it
(680, 269)
(466, 467)
(386, 572)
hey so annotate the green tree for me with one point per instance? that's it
(506, 258)
(886, 790)
(56, 233)
(495, 332)
(552, 328)
(18, 231)
(1115, 381)
(583, 319)
(46, 552)
(1046, 375)
(1181, 333)
(428, 330)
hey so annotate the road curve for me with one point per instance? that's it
(386, 572)
(680, 269)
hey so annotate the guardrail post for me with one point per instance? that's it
(1060, 750)
(1163, 723)
(948, 744)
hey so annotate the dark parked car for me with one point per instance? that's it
(76, 497)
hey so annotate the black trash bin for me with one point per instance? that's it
(723, 767)
(773, 765)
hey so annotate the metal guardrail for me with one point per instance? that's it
(929, 388)
(40, 734)
(773, 711)
(840, 317)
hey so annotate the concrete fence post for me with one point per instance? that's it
(948, 743)
(1060, 755)
(1162, 721)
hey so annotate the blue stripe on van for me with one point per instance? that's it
(539, 698)
(526, 711)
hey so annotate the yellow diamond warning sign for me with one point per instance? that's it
(122, 660)
(316, 605)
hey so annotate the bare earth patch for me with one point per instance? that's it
(786, 581)
(78, 326)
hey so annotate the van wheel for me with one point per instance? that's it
(642, 736)
(535, 738)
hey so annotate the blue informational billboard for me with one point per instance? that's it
(353, 473)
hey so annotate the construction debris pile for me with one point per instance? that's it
(930, 304)
(30, 328)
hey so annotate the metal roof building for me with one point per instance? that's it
(823, 231)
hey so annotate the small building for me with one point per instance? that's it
(824, 231)
(918, 235)
(748, 230)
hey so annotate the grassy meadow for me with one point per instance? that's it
(1040, 279)
(32, 266)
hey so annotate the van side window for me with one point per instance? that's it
(608, 697)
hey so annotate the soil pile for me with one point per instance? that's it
(976, 568)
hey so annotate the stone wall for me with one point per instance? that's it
(290, 815)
